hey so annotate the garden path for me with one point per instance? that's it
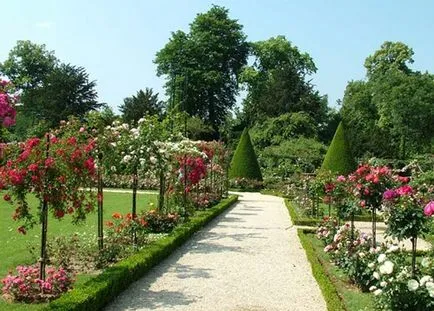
(248, 259)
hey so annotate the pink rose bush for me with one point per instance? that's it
(7, 103)
(26, 286)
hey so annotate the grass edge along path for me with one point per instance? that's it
(331, 296)
(97, 292)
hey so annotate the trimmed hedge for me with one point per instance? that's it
(338, 158)
(99, 291)
(244, 163)
(296, 219)
(308, 221)
(328, 289)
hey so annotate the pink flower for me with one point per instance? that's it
(341, 178)
(404, 190)
(389, 195)
(429, 209)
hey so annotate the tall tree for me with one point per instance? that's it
(51, 91)
(202, 66)
(277, 82)
(66, 91)
(390, 113)
(142, 104)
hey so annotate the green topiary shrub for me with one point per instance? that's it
(338, 158)
(244, 163)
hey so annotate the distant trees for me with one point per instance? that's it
(391, 113)
(51, 90)
(202, 66)
(144, 103)
(277, 82)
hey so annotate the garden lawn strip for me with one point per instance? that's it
(338, 292)
(97, 292)
(250, 258)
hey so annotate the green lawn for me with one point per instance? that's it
(15, 247)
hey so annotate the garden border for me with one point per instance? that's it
(330, 293)
(99, 291)
(307, 221)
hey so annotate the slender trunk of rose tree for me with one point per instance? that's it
(100, 197)
(134, 207)
(374, 226)
(185, 183)
(352, 226)
(413, 253)
(162, 191)
(330, 209)
(44, 220)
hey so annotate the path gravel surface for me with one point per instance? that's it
(248, 259)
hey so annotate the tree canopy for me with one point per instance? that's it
(51, 90)
(144, 103)
(392, 112)
(202, 66)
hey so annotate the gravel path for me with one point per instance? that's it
(248, 259)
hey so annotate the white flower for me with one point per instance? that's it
(378, 292)
(381, 258)
(153, 159)
(412, 285)
(383, 284)
(392, 249)
(425, 279)
(371, 265)
(126, 158)
(125, 126)
(372, 288)
(430, 288)
(361, 254)
(386, 268)
(113, 168)
(141, 120)
(425, 262)
(376, 275)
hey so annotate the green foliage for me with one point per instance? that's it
(51, 91)
(296, 219)
(98, 291)
(202, 66)
(274, 131)
(338, 158)
(297, 155)
(144, 103)
(276, 82)
(244, 163)
(392, 108)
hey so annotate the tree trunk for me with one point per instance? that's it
(100, 197)
(44, 221)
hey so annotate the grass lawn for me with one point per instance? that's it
(15, 247)
(351, 298)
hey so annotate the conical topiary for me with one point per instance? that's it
(244, 163)
(338, 158)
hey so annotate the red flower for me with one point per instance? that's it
(109, 224)
(49, 162)
(33, 167)
(22, 230)
(117, 216)
(59, 213)
(7, 197)
(72, 140)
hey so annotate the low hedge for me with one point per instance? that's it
(296, 219)
(308, 221)
(328, 289)
(99, 291)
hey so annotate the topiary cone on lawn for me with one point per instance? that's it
(244, 163)
(338, 158)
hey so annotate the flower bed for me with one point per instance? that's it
(98, 291)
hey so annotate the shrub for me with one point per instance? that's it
(27, 287)
(245, 184)
(338, 158)
(244, 162)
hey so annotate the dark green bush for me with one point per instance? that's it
(338, 158)
(244, 162)
(99, 291)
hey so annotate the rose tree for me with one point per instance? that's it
(55, 169)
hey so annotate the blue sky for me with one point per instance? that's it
(116, 41)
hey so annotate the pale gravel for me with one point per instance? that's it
(248, 259)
